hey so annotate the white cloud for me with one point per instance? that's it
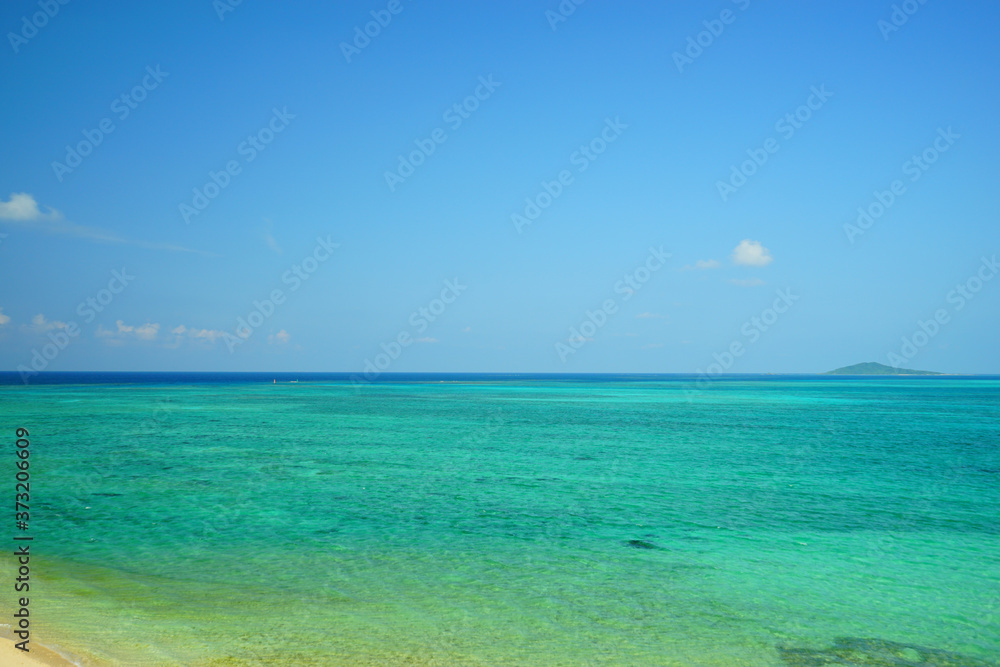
(22, 209)
(466, 329)
(279, 338)
(427, 340)
(182, 333)
(147, 331)
(652, 346)
(23, 206)
(206, 334)
(41, 325)
(751, 253)
(649, 316)
(4, 319)
(702, 265)
(748, 282)
(109, 336)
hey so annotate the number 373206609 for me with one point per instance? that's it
(22, 477)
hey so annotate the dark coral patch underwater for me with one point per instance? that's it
(862, 652)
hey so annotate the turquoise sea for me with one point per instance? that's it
(511, 520)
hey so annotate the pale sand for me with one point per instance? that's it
(37, 656)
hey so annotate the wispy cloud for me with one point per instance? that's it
(702, 265)
(272, 243)
(280, 338)
(182, 333)
(751, 253)
(427, 340)
(24, 211)
(40, 325)
(4, 319)
(650, 316)
(146, 332)
(651, 346)
(747, 282)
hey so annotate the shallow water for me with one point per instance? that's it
(520, 522)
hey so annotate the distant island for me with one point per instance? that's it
(873, 368)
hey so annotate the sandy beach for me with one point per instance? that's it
(38, 656)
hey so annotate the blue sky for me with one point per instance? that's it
(640, 136)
